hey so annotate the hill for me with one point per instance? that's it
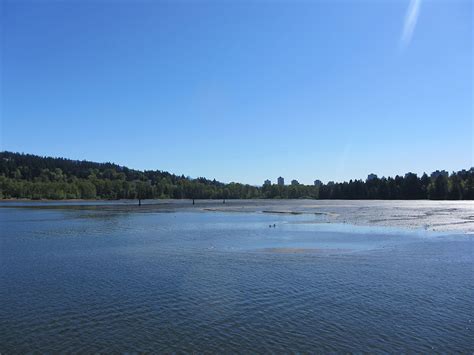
(35, 177)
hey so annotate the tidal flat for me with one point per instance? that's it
(239, 276)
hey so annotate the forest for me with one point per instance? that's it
(34, 177)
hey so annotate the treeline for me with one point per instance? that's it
(34, 177)
(457, 186)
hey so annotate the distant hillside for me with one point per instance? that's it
(34, 177)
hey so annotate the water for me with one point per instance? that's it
(104, 279)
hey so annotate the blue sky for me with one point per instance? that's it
(242, 90)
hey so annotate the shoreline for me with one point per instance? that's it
(427, 215)
(216, 199)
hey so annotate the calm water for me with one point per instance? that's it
(121, 280)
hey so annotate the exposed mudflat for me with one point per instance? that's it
(456, 216)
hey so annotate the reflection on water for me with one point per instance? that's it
(420, 214)
(106, 279)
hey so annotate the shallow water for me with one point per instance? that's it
(443, 216)
(114, 279)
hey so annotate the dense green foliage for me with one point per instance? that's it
(457, 186)
(34, 177)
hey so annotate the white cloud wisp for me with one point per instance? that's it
(411, 19)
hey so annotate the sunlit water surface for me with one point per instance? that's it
(100, 280)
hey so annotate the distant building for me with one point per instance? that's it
(371, 177)
(435, 174)
(281, 181)
(294, 182)
(267, 183)
(318, 183)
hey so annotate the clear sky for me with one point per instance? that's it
(241, 90)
